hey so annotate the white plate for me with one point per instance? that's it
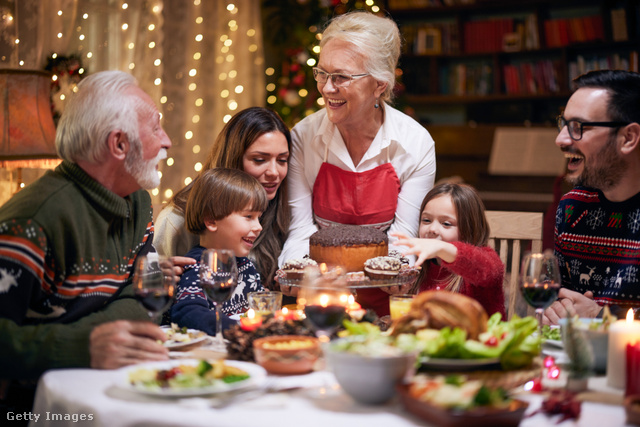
(435, 364)
(257, 376)
(554, 343)
(176, 345)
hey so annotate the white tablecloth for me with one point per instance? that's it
(85, 397)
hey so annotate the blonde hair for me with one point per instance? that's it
(376, 38)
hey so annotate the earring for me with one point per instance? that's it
(376, 105)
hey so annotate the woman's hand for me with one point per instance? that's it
(570, 303)
(179, 262)
(426, 248)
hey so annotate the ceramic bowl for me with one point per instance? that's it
(287, 354)
(599, 340)
(369, 379)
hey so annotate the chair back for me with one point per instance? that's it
(512, 234)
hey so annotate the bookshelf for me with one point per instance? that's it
(506, 61)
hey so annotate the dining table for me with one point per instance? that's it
(91, 397)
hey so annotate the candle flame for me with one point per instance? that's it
(251, 313)
(351, 299)
(324, 300)
(285, 311)
(323, 268)
(630, 315)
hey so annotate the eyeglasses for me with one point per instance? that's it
(575, 127)
(338, 79)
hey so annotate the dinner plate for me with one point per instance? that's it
(257, 376)
(477, 417)
(554, 343)
(200, 337)
(436, 364)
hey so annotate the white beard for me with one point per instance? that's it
(144, 172)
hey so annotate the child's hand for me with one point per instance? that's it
(426, 248)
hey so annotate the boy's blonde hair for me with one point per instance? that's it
(219, 192)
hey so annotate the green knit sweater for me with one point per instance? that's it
(67, 245)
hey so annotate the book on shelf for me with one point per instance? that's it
(619, 25)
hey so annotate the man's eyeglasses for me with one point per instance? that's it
(338, 79)
(575, 127)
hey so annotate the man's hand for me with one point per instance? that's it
(179, 262)
(116, 344)
(571, 303)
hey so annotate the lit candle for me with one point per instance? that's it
(621, 333)
(633, 369)
(251, 322)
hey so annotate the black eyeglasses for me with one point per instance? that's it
(575, 127)
(338, 79)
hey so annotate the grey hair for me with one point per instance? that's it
(376, 37)
(102, 104)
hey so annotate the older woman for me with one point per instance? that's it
(358, 161)
(256, 141)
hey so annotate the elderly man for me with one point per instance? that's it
(597, 238)
(69, 240)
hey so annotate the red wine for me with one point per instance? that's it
(153, 300)
(218, 292)
(324, 318)
(541, 294)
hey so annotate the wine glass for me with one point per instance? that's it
(154, 283)
(325, 298)
(540, 282)
(218, 279)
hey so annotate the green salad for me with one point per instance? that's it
(513, 342)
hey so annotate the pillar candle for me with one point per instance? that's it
(621, 333)
(633, 369)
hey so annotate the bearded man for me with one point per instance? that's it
(597, 232)
(68, 242)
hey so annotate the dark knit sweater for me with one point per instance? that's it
(67, 245)
(597, 243)
(192, 308)
(482, 275)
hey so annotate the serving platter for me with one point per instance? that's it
(257, 376)
(477, 417)
(457, 365)
(365, 282)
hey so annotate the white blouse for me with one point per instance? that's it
(410, 149)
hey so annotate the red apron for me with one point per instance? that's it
(362, 198)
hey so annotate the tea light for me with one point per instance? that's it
(621, 333)
(251, 322)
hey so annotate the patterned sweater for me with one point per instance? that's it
(192, 308)
(67, 245)
(482, 275)
(597, 243)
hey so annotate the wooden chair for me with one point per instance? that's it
(512, 234)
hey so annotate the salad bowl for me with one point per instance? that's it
(369, 376)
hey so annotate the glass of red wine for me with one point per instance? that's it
(540, 282)
(154, 283)
(324, 296)
(218, 279)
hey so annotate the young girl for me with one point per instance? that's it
(256, 141)
(223, 209)
(453, 235)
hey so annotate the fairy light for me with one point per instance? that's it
(196, 149)
(195, 119)
(197, 167)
